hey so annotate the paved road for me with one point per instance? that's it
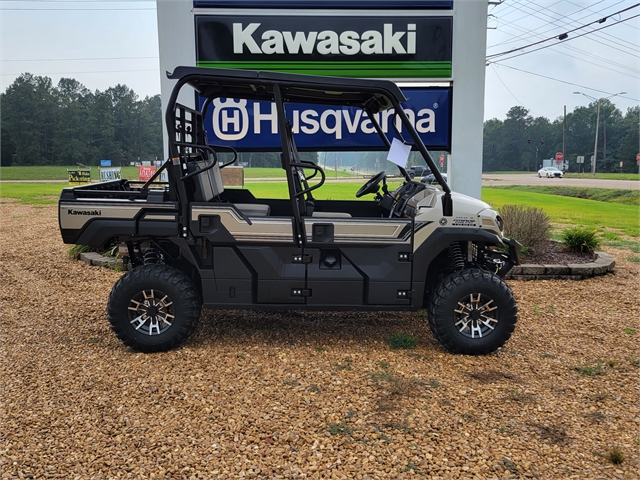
(488, 180)
(495, 180)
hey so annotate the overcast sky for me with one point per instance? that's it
(103, 43)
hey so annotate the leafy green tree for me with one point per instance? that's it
(28, 117)
(627, 140)
(71, 122)
(7, 147)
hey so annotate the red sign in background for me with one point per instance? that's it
(145, 173)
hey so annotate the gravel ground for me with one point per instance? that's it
(255, 395)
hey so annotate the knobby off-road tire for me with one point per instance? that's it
(153, 308)
(472, 312)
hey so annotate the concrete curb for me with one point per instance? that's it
(601, 265)
(97, 260)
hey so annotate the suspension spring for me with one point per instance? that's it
(151, 255)
(455, 252)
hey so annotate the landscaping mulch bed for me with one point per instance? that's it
(551, 252)
(315, 395)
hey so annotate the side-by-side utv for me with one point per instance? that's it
(191, 242)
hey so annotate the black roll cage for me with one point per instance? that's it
(372, 95)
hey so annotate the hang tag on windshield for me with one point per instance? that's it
(399, 153)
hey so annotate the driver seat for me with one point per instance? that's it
(209, 187)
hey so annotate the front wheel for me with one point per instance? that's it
(153, 308)
(472, 312)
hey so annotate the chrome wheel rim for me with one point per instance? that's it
(151, 312)
(476, 316)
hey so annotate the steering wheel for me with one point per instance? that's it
(372, 185)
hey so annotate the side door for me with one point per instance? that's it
(358, 261)
(253, 260)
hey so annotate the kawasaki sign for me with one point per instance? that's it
(346, 46)
(251, 125)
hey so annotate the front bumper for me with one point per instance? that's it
(511, 259)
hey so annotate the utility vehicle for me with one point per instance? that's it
(193, 243)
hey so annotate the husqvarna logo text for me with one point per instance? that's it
(231, 120)
(325, 42)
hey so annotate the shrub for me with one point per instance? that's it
(580, 240)
(529, 225)
(615, 455)
(402, 340)
(75, 251)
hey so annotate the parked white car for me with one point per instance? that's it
(550, 172)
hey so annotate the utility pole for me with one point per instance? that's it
(564, 137)
(595, 147)
(604, 156)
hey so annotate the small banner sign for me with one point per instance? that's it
(108, 174)
(105, 163)
(79, 176)
(145, 172)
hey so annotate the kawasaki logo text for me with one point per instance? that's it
(84, 212)
(326, 42)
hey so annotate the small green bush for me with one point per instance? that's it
(581, 240)
(340, 429)
(75, 251)
(615, 455)
(402, 340)
(529, 225)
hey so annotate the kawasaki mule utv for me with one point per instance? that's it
(191, 242)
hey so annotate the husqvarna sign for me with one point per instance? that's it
(253, 125)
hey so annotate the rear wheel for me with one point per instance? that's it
(153, 308)
(472, 312)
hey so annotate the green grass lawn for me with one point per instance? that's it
(329, 191)
(257, 172)
(32, 193)
(48, 172)
(571, 211)
(605, 176)
(623, 219)
(613, 195)
(131, 173)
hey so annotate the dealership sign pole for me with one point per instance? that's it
(433, 44)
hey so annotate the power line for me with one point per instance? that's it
(588, 8)
(634, 71)
(505, 85)
(564, 81)
(533, 13)
(77, 59)
(76, 9)
(570, 31)
(566, 40)
(515, 9)
(516, 38)
(97, 71)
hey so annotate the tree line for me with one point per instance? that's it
(522, 142)
(67, 124)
